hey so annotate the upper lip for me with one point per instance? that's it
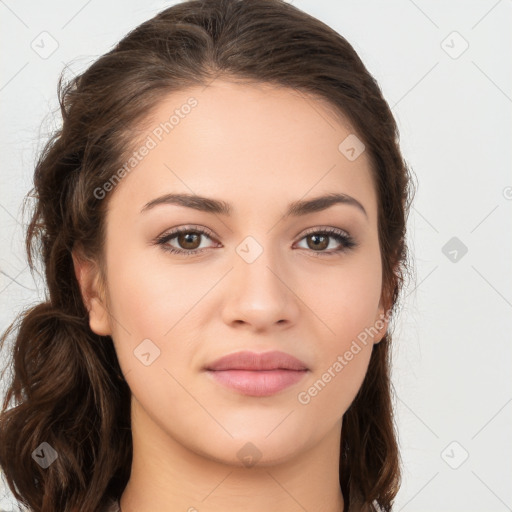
(247, 360)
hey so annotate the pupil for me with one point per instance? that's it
(189, 238)
(317, 242)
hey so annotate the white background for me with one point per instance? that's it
(452, 344)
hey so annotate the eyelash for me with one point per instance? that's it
(347, 242)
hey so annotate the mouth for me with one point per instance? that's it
(257, 382)
(254, 374)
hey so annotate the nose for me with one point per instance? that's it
(259, 293)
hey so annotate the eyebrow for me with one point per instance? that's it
(295, 209)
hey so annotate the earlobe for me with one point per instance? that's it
(87, 275)
(381, 324)
(98, 318)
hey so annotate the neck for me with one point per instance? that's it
(167, 476)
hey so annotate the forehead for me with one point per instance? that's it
(245, 143)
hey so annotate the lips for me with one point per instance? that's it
(246, 360)
(254, 374)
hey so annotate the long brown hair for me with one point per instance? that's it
(67, 388)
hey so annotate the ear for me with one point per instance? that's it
(381, 322)
(88, 277)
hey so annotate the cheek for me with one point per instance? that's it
(150, 297)
(345, 297)
(334, 386)
(158, 301)
(151, 308)
(345, 300)
(346, 304)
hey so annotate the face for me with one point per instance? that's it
(260, 277)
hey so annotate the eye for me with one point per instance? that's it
(188, 239)
(317, 240)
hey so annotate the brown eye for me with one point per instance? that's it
(184, 241)
(318, 242)
(189, 240)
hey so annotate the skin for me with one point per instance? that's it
(258, 148)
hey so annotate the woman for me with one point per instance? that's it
(222, 222)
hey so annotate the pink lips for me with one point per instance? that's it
(256, 374)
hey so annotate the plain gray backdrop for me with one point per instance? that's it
(445, 69)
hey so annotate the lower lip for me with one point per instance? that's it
(258, 382)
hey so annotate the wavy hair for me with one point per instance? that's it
(66, 387)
